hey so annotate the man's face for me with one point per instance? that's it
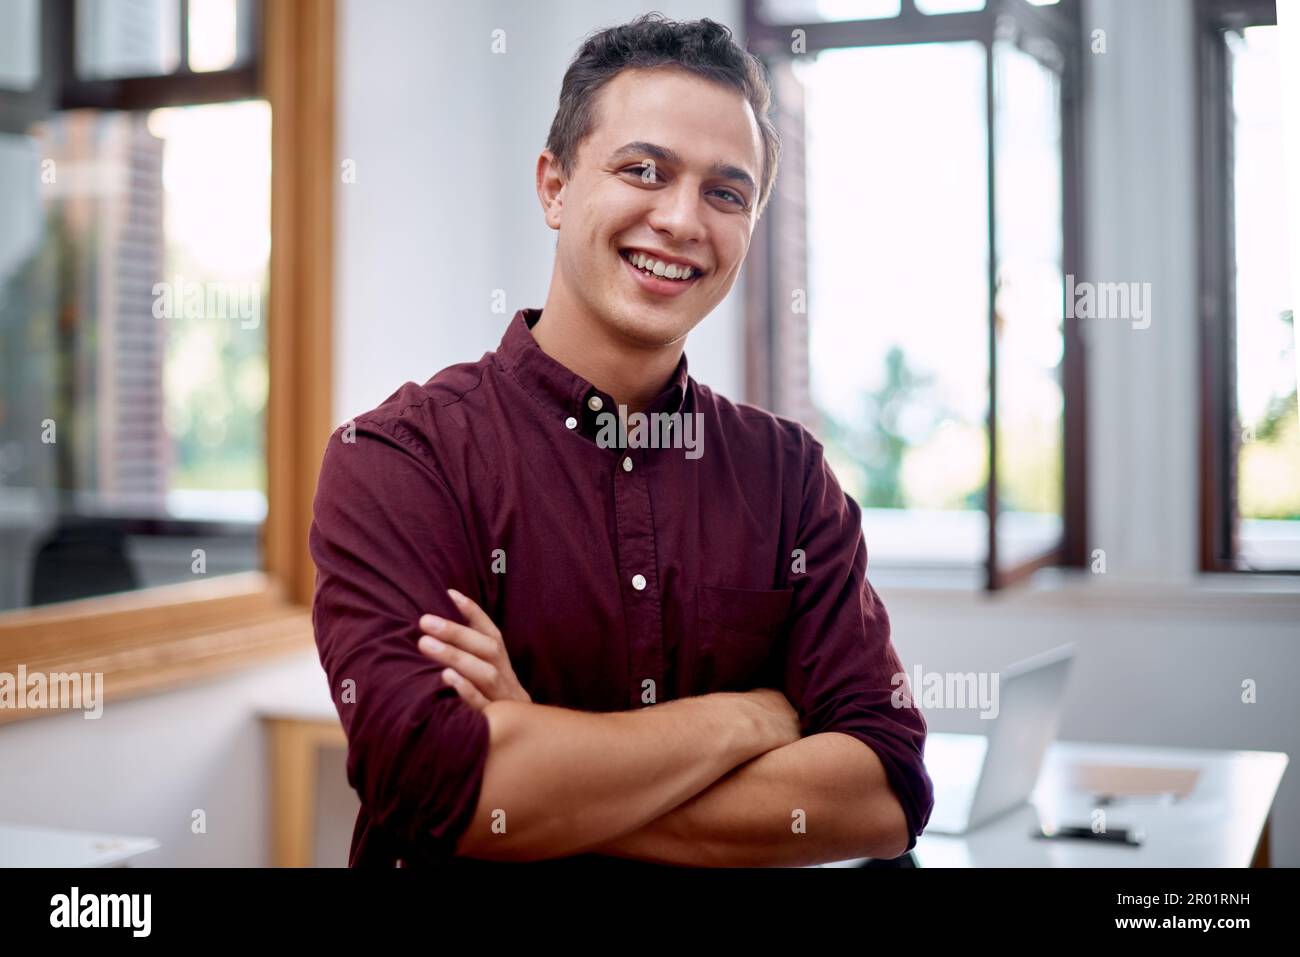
(694, 206)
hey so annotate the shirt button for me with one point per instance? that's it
(570, 423)
(638, 582)
(627, 463)
(595, 403)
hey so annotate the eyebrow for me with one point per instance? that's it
(663, 154)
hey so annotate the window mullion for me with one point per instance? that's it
(183, 24)
(991, 488)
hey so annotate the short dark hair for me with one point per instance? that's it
(702, 47)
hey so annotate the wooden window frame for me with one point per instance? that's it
(157, 638)
(1220, 435)
(772, 246)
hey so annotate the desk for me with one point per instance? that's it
(22, 846)
(1223, 822)
(295, 739)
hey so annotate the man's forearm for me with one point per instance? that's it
(822, 798)
(559, 781)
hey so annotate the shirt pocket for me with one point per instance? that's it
(735, 635)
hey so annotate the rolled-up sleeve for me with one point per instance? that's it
(841, 669)
(388, 540)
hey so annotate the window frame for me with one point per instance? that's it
(770, 42)
(1219, 430)
(183, 87)
(156, 638)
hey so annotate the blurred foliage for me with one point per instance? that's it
(877, 452)
(1268, 464)
(910, 452)
(216, 390)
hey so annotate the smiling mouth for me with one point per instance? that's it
(671, 274)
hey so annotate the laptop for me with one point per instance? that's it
(981, 777)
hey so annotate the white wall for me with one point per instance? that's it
(443, 211)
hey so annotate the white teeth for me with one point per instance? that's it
(661, 269)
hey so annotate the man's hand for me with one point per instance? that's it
(474, 654)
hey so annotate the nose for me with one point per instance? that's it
(676, 213)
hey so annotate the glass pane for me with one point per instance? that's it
(134, 352)
(120, 38)
(1268, 462)
(1030, 297)
(27, 371)
(20, 44)
(898, 297)
(815, 11)
(218, 34)
(949, 6)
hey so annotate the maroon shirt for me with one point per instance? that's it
(736, 566)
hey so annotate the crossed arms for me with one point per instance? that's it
(446, 747)
(716, 780)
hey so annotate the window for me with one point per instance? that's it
(1250, 490)
(163, 410)
(131, 301)
(907, 284)
(135, 38)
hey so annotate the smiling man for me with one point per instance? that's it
(547, 643)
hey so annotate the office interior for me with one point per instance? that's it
(1129, 169)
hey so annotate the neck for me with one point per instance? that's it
(633, 374)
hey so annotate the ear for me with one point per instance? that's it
(550, 188)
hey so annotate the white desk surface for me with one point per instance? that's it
(22, 846)
(1217, 825)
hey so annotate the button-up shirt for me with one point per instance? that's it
(622, 572)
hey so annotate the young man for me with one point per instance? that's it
(552, 630)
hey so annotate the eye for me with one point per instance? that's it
(736, 197)
(640, 170)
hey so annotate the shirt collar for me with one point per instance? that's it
(563, 392)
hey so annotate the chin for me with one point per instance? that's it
(648, 330)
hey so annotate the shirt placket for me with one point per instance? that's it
(636, 561)
(639, 579)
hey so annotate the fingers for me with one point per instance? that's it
(476, 616)
(472, 696)
(462, 636)
(483, 674)
(474, 654)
